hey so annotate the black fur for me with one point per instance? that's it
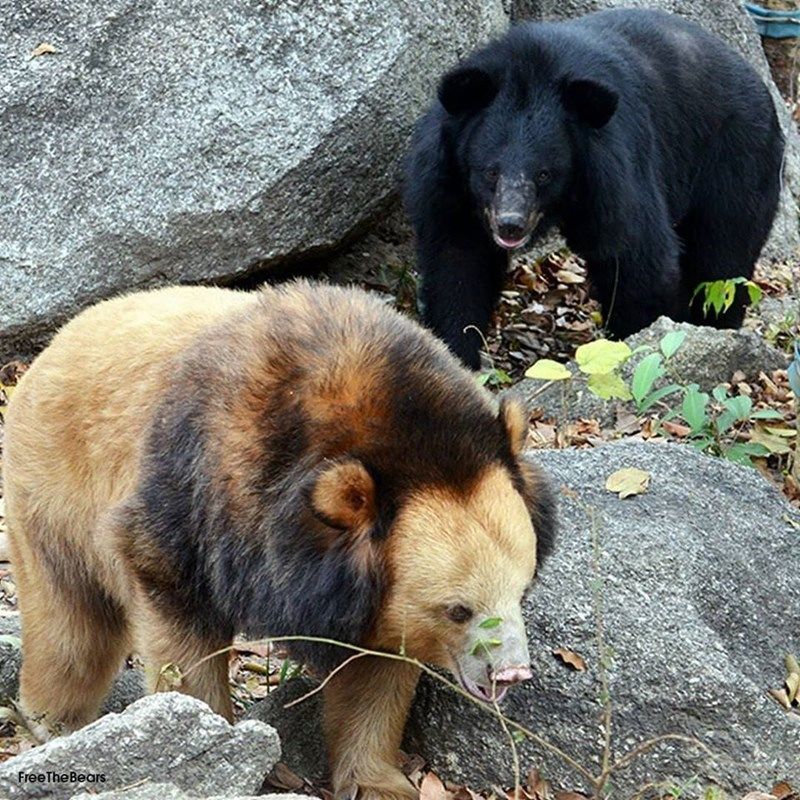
(653, 146)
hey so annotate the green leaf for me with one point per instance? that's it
(647, 372)
(718, 295)
(671, 342)
(725, 421)
(766, 413)
(491, 622)
(501, 377)
(693, 409)
(494, 377)
(12, 641)
(601, 356)
(741, 406)
(754, 292)
(743, 453)
(729, 295)
(484, 645)
(284, 671)
(546, 369)
(607, 385)
(736, 410)
(659, 394)
(720, 393)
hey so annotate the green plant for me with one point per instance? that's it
(289, 670)
(601, 361)
(494, 377)
(715, 420)
(783, 332)
(719, 295)
(486, 645)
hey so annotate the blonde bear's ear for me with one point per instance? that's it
(514, 420)
(344, 495)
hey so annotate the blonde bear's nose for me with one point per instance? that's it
(511, 675)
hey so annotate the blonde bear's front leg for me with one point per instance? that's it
(366, 705)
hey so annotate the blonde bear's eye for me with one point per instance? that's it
(459, 613)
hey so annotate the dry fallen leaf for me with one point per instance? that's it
(628, 482)
(758, 796)
(780, 696)
(569, 277)
(627, 421)
(570, 658)
(792, 682)
(570, 796)
(676, 429)
(782, 790)
(538, 787)
(282, 777)
(43, 49)
(432, 788)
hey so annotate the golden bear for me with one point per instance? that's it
(189, 463)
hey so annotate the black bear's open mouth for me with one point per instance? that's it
(510, 244)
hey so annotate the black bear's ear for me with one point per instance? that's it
(466, 90)
(590, 102)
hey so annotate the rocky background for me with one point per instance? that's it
(160, 142)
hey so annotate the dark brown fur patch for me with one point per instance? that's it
(74, 581)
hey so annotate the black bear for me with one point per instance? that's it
(650, 144)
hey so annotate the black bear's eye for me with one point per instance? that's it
(459, 613)
(492, 174)
(543, 177)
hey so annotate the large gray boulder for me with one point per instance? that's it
(190, 141)
(699, 588)
(729, 20)
(168, 738)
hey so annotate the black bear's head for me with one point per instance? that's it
(522, 129)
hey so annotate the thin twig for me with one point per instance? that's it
(327, 680)
(602, 651)
(648, 745)
(543, 743)
(595, 781)
(514, 751)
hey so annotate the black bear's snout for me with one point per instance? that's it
(511, 227)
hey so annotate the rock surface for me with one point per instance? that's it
(729, 20)
(708, 357)
(700, 586)
(191, 141)
(168, 791)
(166, 737)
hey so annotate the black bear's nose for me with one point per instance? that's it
(511, 227)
